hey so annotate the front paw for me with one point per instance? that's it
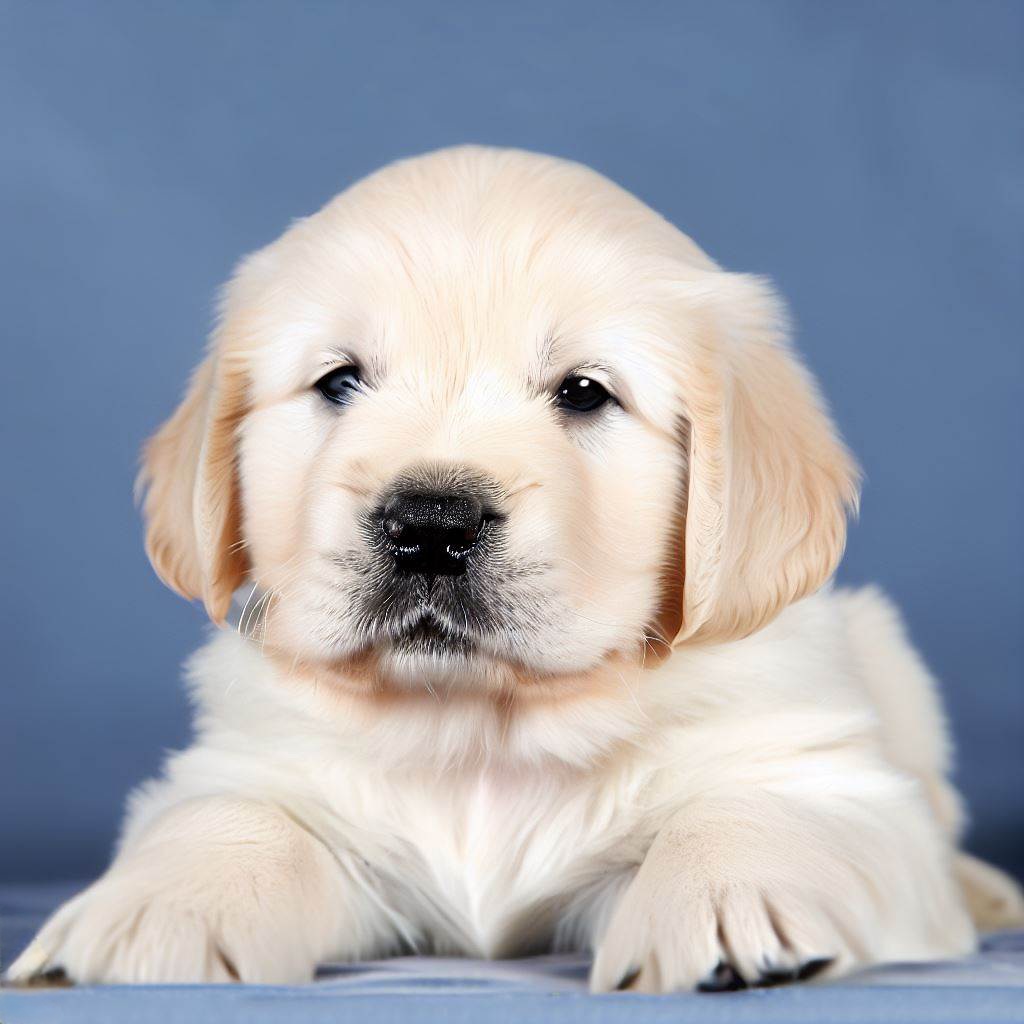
(216, 891)
(713, 939)
(760, 893)
(132, 927)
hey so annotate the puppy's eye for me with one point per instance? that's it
(580, 394)
(340, 385)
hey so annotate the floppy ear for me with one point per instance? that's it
(770, 481)
(189, 477)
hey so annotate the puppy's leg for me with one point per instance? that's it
(760, 889)
(214, 890)
(916, 739)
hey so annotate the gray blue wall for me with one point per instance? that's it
(868, 156)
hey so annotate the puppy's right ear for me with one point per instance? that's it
(189, 479)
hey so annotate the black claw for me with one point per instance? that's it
(813, 967)
(771, 978)
(53, 977)
(724, 978)
(627, 979)
(228, 965)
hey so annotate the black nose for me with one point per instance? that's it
(432, 533)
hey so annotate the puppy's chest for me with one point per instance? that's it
(483, 864)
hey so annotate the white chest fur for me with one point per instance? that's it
(487, 861)
(464, 851)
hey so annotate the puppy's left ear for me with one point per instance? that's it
(189, 478)
(770, 481)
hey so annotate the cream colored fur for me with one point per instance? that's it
(682, 749)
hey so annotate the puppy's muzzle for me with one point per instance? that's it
(432, 532)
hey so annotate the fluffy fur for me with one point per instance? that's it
(670, 740)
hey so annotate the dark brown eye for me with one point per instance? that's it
(340, 385)
(578, 393)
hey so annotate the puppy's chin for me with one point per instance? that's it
(434, 668)
(440, 670)
(427, 654)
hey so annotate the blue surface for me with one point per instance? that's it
(987, 987)
(867, 155)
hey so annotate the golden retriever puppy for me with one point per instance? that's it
(535, 510)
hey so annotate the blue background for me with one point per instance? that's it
(868, 156)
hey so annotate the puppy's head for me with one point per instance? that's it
(487, 419)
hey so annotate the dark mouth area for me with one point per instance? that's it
(427, 634)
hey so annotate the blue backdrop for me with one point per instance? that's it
(868, 156)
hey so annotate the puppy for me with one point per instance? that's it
(535, 510)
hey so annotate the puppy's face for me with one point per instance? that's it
(487, 420)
